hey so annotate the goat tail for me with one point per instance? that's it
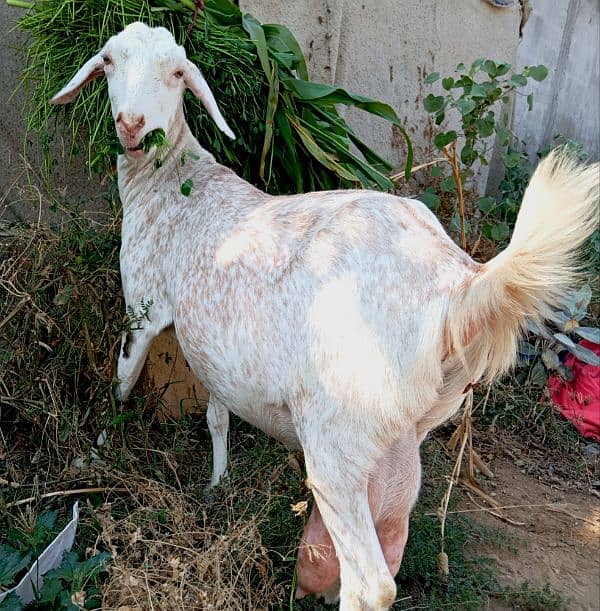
(534, 274)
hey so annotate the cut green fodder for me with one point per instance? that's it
(290, 138)
(155, 138)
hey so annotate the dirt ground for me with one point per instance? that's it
(555, 539)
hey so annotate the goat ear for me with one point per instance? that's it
(195, 82)
(90, 70)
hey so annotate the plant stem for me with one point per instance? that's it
(452, 157)
(416, 168)
(20, 3)
(465, 424)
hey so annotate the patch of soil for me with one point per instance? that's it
(557, 541)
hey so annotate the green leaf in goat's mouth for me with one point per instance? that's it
(156, 138)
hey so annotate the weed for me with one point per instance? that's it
(526, 598)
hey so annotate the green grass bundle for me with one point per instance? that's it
(290, 135)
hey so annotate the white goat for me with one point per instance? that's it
(346, 323)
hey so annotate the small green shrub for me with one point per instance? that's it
(473, 95)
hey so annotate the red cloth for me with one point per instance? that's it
(579, 400)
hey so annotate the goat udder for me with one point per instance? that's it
(318, 567)
(393, 489)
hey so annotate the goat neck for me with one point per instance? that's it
(137, 175)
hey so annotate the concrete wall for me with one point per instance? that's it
(23, 193)
(565, 36)
(383, 49)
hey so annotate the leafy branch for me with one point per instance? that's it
(474, 97)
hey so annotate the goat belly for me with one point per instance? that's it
(275, 421)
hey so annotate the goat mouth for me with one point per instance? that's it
(155, 138)
(136, 151)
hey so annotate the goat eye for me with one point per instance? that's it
(106, 59)
(178, 74)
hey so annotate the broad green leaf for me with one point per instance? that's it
(503, 135)
(538, 73)
(502, 69)
(350, 161)
(46, 520)
(445, 138)
(558, 317)
(485, 127)
(290, 154)
(592, 334)
(518, 80)
(447, 83)
(476, 65)
(436, 171)
(283, 59)
(465, 105)
(577, 302)
(468, 155)
(323, 157)
(500, 231)
(565, 340)
(430, 199)
(448, 185)
(222, 12)
(432, 78)
(257, 36)
(486, 204)
(538, 375)
(489, 66)
(71, 568)
(455, 224)
(512, 159)
(433, 103)
(11, 602)
(328, 95)
(11, 563)
(50, 591)
(280, 39)
(66, 604)
(537, 329)
(477, 91)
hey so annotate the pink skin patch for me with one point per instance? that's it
(393, 490)
(317, 566)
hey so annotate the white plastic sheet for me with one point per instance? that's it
(49, 559)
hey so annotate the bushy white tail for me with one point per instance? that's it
(535, 272)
